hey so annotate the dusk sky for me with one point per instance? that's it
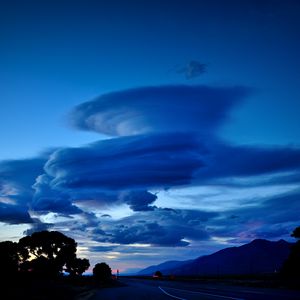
(150, 130)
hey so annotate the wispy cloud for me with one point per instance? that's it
(193, 69)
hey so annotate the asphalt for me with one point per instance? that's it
(139, 289)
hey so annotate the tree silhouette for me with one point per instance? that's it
(158, 274)
(77, 266)
(49, 252)
(44, 253)
(102, 272)
(291, 267)
(296, 233)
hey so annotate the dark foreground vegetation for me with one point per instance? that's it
(32, 287)
(35, 268)
(60, 288)
(46, 254)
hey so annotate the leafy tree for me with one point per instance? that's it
(291, 267)
(102, 272)
(158, 274)
(50, 252)
(296, 233)
(45, 253)
(77, 266)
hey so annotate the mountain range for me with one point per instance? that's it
(257, 257)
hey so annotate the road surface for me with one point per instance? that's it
(139, 289)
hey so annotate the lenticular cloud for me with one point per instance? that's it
(177, 108)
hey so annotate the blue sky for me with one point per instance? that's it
(138, 127)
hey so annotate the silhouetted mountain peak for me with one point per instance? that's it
(262, 243)
(163, 266)
(259, 241)
(256, 257)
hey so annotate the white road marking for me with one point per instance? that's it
(203, 293)
(172, 296)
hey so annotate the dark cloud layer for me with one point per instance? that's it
(139, 200)
(37, 225)
(14, 214)
(101, 248)
(158, 161)
(22, 172)
(160, 227)
(46, 199)
(16, 179)
(223, 160)
(145, 161)
(177, 108)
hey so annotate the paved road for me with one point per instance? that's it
(139, 289)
